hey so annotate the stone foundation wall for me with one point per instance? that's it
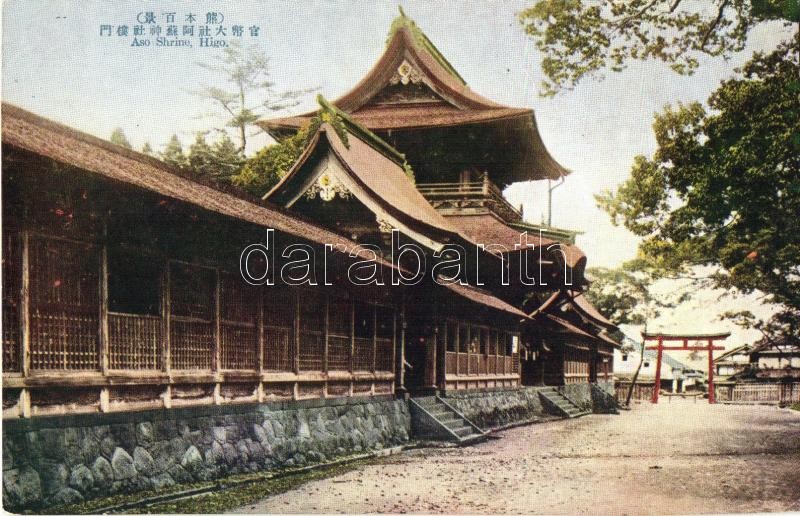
(67, 459)
(579, 393)
(500, 407)
(489, 409)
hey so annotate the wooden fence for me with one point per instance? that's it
(781, 393)
(641, 391)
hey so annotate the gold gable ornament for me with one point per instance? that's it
(327, 187)
(405, 74)
(384, 226)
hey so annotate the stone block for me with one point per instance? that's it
(81, 479)
(122, 464)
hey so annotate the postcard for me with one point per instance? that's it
(401, 256)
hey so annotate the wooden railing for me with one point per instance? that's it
(468, 190)
(475, 364)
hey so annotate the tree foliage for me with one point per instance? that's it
(219, 160)
(173, 153)
(723, 187)
(263, 171)
(582, 38)
(251, 93)
(620, 294)
(118, 138)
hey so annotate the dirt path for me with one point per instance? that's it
(679, 457)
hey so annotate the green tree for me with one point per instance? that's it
(173, 153)
(227, 159)
(147, 149)
(583, 38)
(118, 138)
(220, 160)
(263, 171)
(246, 70)
(723, 187)
(619, 293)
(200, 156)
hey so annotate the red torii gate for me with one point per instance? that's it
(710, 347)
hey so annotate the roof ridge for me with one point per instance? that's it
(360, 132)
(421, 40)
(188, 174)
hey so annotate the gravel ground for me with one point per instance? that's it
(679, 457)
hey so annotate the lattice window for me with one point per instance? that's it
(191, 344)
(340, 319)
(239, 347)
(279, 315)
(239, 331)
(134, 341)
(364, 352)
(12, 281)
(384, 354)
(312, 327)
(364, 355)
(278, 349)
(134, 303)
(64, 310)
(384, 335)
(192, 307)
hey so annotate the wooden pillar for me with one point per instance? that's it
(431, 355)
(402, 354)
(374, 334)
(103, 330)
(260, 329)
(352, 337)
(711, 398)
(441, 357)
(260, 351)
(657, 385)
(325, 331)
(296, 360)
(25, 307)
(352, 345)
(458, 347)
(394, 339)
(166, 350)
(217, 362)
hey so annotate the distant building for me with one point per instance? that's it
(675, 375)
(775, 360)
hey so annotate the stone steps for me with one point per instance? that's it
(554, 401)
(437, 420)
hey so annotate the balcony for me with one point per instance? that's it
(469, 198)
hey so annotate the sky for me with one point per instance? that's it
(57, 64)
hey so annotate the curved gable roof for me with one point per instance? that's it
(460, 106)
(379, 177)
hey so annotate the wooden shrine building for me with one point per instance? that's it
(388, 265)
